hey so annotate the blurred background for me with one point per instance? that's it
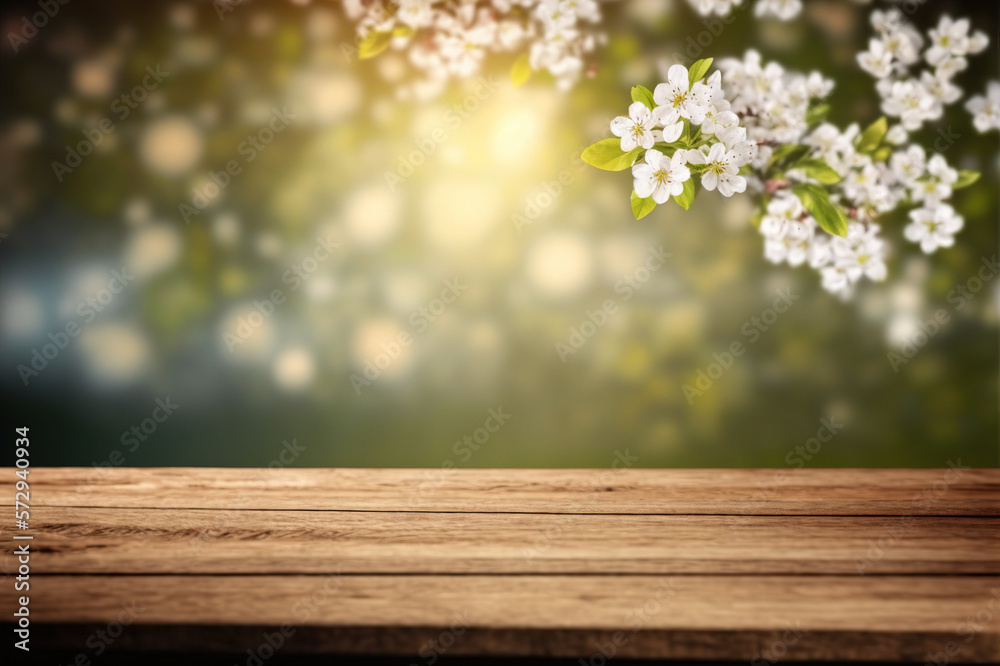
(311, 304)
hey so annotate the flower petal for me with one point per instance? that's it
(643, 187)
(639, 112)
(709, 180)
(672, 132)
(620, 125)
(677, 75)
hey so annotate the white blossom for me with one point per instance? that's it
(933, 227)
(721, 170)
(897, 135)
(741, 115)
(783, 9)
(986, 109)
(452, 39)
(772, 103)
(659, 176)
(860, 253)
(910, 102)
(936, 184)
(917, 97)
(951, 38)
(909, 165)
(637, 129)
(720, 7)
(415, 13)
(877, 60)
(676, 94)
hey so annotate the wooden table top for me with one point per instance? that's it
(683, 564)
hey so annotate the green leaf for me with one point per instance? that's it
(872, 137)
(819, 170)
(642, 94)
(373, 44)
(521, 71)
(685, 198)
(607, 154)
(817, 202)
(698, 71)
(642, 207)
(669, 149)
(882, 154)
(787, 151)
(403, 31)
(685, 137)
(817, 113)
(966, 177)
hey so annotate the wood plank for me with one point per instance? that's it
(732, 617)
(75, 540)
(970, 492)
(544, 562)
(756, 647)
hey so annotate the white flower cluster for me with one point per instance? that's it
(772, 103)
(717, 150)
(450, 38)
(782, 9)
(897, 47)
(792, 235)
(986, 110)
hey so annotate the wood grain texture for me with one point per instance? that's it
(817, 646)
(657, 612)
(942, 492)
(702, 564)
(139, 541)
